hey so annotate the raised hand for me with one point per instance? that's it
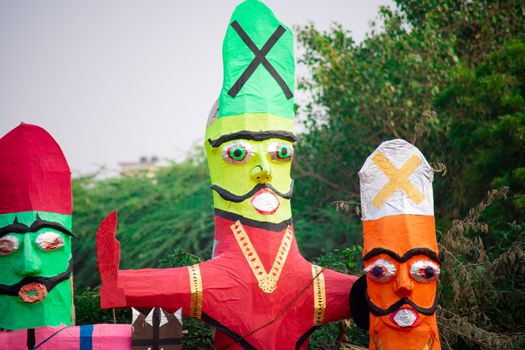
(108, 259)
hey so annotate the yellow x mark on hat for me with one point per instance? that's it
(398, 179)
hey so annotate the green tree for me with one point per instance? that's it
(484, 110)
(173, 208)
(447, 76)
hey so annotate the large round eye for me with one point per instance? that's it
(237, 152)
(280, 151)
(49, 241)
(8, 244)
(380, 270)
(424, 271)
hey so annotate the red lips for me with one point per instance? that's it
(32, 293)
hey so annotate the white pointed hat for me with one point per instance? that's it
(396, 179)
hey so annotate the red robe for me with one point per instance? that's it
(225, 292)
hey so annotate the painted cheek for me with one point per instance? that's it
(423, 294)
(215, 163)
(281, 178)
(232, 177)
(382, 294)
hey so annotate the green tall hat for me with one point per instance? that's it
(259, 70)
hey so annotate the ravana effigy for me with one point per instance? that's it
(257, 291)
(35, 250)
(397, 300)
(35, 231)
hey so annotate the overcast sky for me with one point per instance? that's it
(113, 80)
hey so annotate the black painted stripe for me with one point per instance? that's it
(254, 135)
(49, 282)
(269, 226)
(304, 337)
(38, 224)
(412, 252)
(235, 336)
(260, 58)
(227, 195)
(377, 311)
(162, 341)
(31, 339)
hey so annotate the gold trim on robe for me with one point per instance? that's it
(196, 291)
(267, 281)
(319, 295)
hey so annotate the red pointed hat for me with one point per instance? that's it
(34, 174)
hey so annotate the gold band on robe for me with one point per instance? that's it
(196, 291)
(319, 295)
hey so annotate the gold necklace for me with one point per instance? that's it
(267, 280)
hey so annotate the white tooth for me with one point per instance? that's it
(134, 314)
(405, 318)
(265, 202)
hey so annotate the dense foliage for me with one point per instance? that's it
(448, 76)
(156, 213)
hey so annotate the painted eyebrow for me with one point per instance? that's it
(412, 252)
(38, 224)
(15, 227)
(253, 135)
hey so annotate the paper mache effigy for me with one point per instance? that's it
(257, 291)
(396, 299)
(35, 257)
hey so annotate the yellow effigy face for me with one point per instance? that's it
(249, 158)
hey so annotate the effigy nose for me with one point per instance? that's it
(261, 172)
(31, 263)
(403, 285)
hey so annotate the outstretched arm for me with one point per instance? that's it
(108, 258)
(338, 287)
(166, 288)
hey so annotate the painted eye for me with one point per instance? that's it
(49, 241)
(424, 271)
(280, 151)
(8, 245)
(380, 270)
(237, 152)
